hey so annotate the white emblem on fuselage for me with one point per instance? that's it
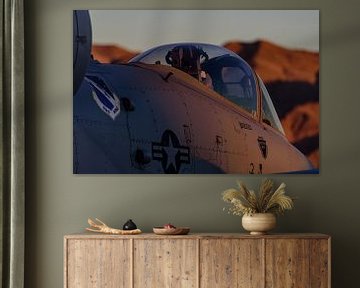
(107, 101)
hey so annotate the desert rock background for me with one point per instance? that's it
(111, 53)
(291, 77)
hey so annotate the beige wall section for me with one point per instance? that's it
(59, 202)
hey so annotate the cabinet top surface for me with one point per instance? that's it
(86, 235)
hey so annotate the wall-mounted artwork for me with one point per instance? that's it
(196, 92)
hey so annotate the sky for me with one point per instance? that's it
(142, 29)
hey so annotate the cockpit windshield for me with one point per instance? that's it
(269, 115)
(216, 67)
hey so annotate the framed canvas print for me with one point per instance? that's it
(196, 92)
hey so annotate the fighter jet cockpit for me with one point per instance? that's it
(217, 68)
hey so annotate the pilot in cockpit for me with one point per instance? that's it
(187, 58)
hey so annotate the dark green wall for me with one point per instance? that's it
(59, 202)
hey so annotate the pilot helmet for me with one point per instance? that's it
(186, 58)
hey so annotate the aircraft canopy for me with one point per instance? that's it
(219, 69)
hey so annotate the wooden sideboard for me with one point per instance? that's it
(197, 260)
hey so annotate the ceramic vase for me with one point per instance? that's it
(259, 223)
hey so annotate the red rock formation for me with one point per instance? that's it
(111, 53)
(314, 158)
(302, 122)
(275, 63)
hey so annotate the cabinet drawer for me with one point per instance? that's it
(231, 263)
(165, 263)
(98, 263)
(297, 263)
